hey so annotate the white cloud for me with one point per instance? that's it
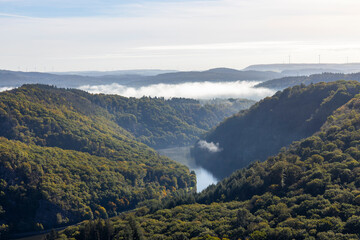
(15, 16)
(211, 147)
(2, 89)
(197, 90)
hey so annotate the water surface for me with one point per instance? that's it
(182, 155)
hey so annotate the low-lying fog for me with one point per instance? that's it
(2, 89)
(197, 90)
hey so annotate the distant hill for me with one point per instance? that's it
(213, 75)
(137, 78)
(16, 79)
(142, 72)
(306, 69)
(269, 125)
(309, 71)
(285, 82)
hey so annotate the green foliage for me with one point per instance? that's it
(271, 124)
(310, 190)
(163, 123)
(64, 159)
(50, 116)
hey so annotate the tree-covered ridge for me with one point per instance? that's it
(285, 82)
(271, 124)
(156, 122)
(43, 187)
(162, 123)
(309, 191)
(50, 116)
(106, 171)
(64, 119)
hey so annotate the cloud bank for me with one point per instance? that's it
(211, 147)
(196, 90)
(2, 89)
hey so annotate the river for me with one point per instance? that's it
(182, 155)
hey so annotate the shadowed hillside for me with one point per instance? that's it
(286, 82)
(269, 125)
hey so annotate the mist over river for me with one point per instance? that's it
(182, 155)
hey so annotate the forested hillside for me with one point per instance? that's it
(65, 159)
(156, 122)
(44, 187)
(271, 124)
(162, 123)
(310, 190)
(285, 82)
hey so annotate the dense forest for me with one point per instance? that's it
(162, 123)
(271, 124)
(285, 82)
(157, 122)
(44, 187)
(309, 190)
(64, 158)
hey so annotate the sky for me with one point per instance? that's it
(78, 35)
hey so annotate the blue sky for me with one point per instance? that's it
(186, 35)
(54, 8)
(75, 8)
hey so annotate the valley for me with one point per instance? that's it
(134, 168)
(179, 120)
(73, 156)
(309, 189)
